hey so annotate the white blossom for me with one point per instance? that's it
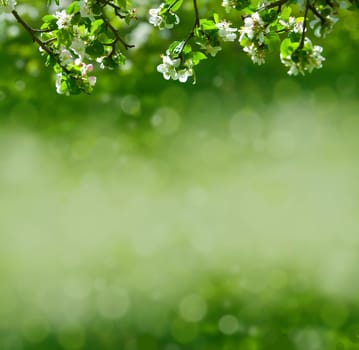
(78, 46)
(92, 80)
(100, 61)
(168, 67)
(226, 32)
(309, 59)
(161, 20)
(257, 54)
(254, 28)
(155, 17)
(184, 74)
(172, 68)
(63, 19)
(65, 56)
(293, 24)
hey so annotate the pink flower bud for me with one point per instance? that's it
(92, 80)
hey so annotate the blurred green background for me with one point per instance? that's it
(154, 215)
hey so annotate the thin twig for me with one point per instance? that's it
(301, 44)
(316, 12)
(116, 35)
(31, 32)
(195, 25)
(42, 44)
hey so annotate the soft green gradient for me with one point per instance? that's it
(203, 243)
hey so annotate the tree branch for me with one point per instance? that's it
(195, 25)
(316, 12)
(117, 37)
(301, 44)
(41, 43)
(31, 31)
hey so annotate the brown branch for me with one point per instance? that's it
(301, 44)
(117, 37)
(42, 44)
(31, 31)
(195, 25)
(316, 12)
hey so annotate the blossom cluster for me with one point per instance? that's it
(293, 25)
(63, 82)
(252, 37)
(303, 59)
(173, 68)
(255, 35)
(63, 19)
(254, 28)
(72, 57)
(70, 42)
(74, 66)
(163, 17)
(226, 32)
(86, 33)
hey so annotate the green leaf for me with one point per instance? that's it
(49, 19)
(73, 8)
(245, 42)
(75, 69)
(64, 37)
(294, 36)
(269, 16)
(272, 41)
(57, 68)
(286, 11)
(171, 18)
(123, 4)
(187, 49)
(176, 5)
(198, 56)
(73, 86)
(287, 47)
(207, 24)
(96, 26)
(95, 49)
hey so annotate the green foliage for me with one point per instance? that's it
(88, 34)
